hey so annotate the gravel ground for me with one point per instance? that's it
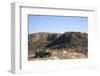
(59, 55)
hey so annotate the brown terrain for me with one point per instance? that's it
(55, 46)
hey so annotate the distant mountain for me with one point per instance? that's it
(41, 39)
(70, 39)
(44, 36)
(57, 40)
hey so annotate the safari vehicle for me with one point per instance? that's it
(42, 53)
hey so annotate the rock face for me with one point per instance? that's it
(39, 40)
(70, 39)
(44, 36)
(57, 40)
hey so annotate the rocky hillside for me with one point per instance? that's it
(70, 39)
(41, 39)
(44, 36)
(57, 40)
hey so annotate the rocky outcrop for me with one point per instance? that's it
(44, 36)
(41, 39)
(70, 39)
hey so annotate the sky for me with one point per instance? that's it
(57, 24)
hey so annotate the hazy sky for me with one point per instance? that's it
(57, 24)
